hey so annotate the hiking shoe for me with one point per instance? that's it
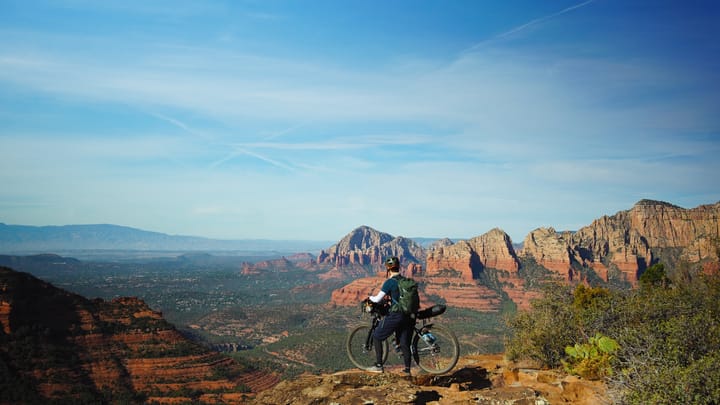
(375, 369)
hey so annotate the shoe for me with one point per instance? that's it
(375, 369)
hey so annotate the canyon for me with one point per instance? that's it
(63, 347)
(478, 273)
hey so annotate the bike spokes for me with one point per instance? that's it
(360, 348)
(438, 355)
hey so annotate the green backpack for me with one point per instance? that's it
(409, 300)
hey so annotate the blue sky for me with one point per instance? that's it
(305, 119)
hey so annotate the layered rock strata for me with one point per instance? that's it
(367, 247)
(91, 349)
(626, 240)
(619, 244)
(477, 379)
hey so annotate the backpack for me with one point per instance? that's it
(409, 301)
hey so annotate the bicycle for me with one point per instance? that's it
(434, 348)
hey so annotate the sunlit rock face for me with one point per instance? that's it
(623, 244)
(368, 247)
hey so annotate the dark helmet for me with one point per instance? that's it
(392, 262)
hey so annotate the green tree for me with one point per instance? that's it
(654, 276)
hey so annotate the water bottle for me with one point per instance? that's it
(429, 338)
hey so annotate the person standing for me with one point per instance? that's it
(395, 322)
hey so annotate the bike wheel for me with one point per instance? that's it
(439, 356)
(360, 350)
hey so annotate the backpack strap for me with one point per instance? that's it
(397, 281)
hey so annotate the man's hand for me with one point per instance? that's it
(367, 305)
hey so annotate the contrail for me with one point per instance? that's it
(180, 125)
(285, 131)
(240, 151)
(527, 25)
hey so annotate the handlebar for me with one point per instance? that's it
(367, 306)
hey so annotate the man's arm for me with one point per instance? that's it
(384, 290)
(377, 298)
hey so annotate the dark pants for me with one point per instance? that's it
(398, 324)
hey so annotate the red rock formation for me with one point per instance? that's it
(492, 249)
(365, 246)
(122, 346)
(623, 242)
(455, 292)
(667, 225)
(477, 379)
(495, 250)
(457, 257)
(356, 291)
(626, 240)
(550, 250)
(277, 265)
(5, 309)
(458, 293)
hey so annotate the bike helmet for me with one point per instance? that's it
(392, 263)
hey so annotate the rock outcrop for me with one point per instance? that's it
(60, 346)
(356, 291)
(365, 246)
(478, 379)
(628, 240)
(620, 247)
(550, 250)
(458, 293)
(492, 250)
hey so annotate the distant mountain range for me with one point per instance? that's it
(24, 239)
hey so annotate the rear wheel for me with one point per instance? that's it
(360, 350)
(437, 356)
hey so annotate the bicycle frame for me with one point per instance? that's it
(435, 352)
(373, 309)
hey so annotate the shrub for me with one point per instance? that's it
(592, 359)
(542, 333)
(657, 344)
(668, 338)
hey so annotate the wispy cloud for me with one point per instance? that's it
(238, 151)
(194, 124)
(526, 26)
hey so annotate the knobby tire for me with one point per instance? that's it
(439, 357)
(362, 354)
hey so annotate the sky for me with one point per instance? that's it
(303, 120)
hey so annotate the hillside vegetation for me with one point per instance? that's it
(659, 343)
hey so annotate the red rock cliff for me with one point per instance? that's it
(95, 347)
(367, 247)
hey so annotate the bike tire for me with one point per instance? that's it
(440, 356)
(362, 355)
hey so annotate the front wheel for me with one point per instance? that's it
(359, 346)
(437, 356)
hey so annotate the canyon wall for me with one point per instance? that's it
(89, 348)
(367, 247)
(618, 247)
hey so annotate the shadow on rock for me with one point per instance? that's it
(467, 378)
(423, 397)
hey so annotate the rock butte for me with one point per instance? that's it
(619, 246)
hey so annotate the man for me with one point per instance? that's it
(395, 322)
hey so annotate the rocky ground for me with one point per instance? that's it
(478, 379)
